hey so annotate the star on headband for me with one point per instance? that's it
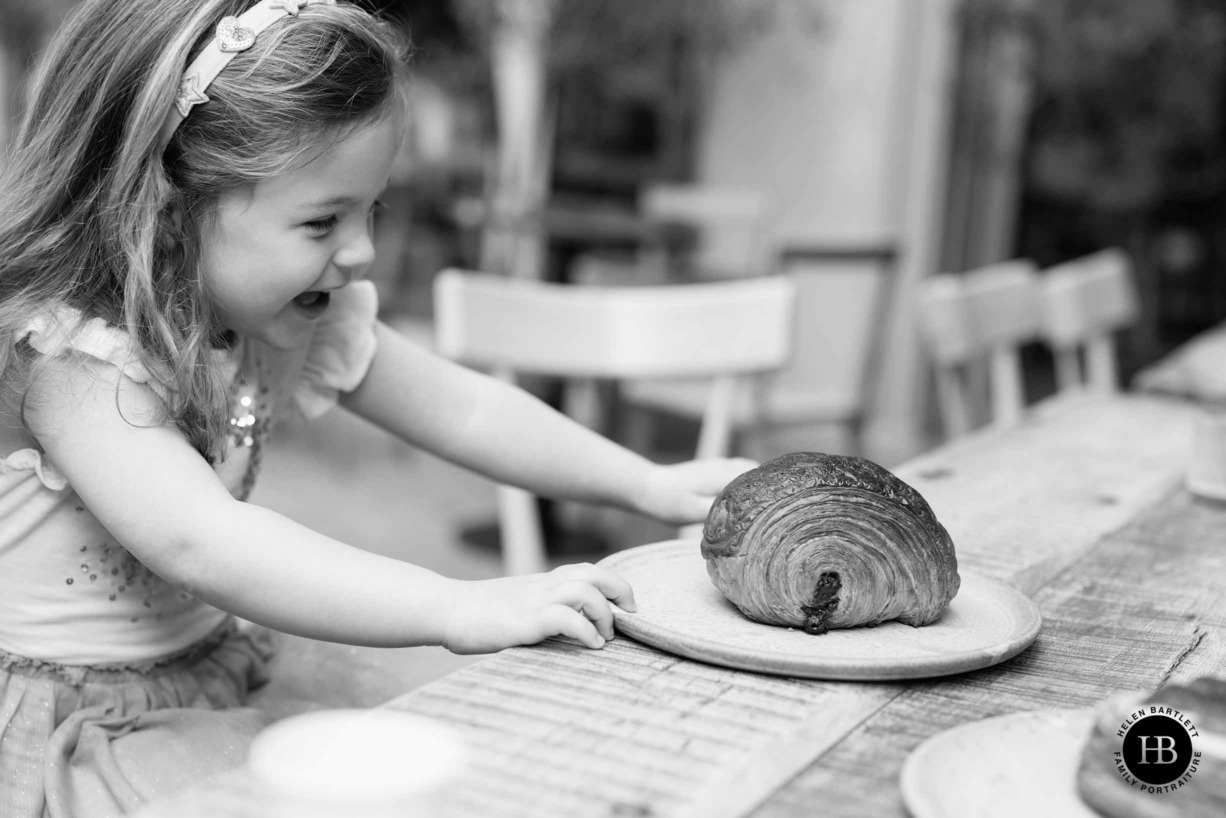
(189, 94)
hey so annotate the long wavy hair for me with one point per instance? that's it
(98, 214)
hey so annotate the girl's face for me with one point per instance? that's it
(275, 252)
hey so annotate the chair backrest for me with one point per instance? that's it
(983, 315)
(732, 226)
(1083, 303)
(691, 330)
(725, 330)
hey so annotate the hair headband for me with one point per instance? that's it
(234, 34)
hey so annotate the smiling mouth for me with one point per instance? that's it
(313, 302)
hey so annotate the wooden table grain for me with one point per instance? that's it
(1082, 507)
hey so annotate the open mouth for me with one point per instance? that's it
(313, 301)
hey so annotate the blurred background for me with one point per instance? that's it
(865, 146)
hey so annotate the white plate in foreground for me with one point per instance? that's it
(1014, 766)
(682, 612)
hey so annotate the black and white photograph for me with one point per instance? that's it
(730, 408)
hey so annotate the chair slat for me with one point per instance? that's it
(982, 316)
(1083, 303)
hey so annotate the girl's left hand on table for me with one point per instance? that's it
(682, 493)
(486, 616)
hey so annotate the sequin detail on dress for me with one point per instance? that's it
(250, 415)
(112, 565)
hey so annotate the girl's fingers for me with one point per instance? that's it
(611, 585)
(590, 602)
(566, 621)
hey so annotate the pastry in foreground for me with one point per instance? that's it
(822, 541)
(1195, 763)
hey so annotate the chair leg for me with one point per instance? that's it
(1007, 391)
(523, 543)
(953, 403)
(1100, 364)
(1068, 369)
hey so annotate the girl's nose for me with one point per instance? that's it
(356, 254)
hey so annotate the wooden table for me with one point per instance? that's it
(1082, 507)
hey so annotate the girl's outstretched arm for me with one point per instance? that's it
(510, 436)
(162, 502)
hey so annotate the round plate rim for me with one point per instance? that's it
(784, 664)
(912, 774)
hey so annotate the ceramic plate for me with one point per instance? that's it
(681, 612)
(1015, 766)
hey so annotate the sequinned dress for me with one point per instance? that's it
(103, 664)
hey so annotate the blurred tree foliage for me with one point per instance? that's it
(1128, 100)
(653, 55)
(608, 35)
(1126, 146)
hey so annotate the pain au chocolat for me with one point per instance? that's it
(820, 541)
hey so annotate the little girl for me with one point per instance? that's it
(184, 223)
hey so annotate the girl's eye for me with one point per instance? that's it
(321, 226)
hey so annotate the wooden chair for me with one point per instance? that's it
(1083, 303)
(727, 331)
(981, 317)
(824, 393)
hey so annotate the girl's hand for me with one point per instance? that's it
(572, 600)
(683, 493)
